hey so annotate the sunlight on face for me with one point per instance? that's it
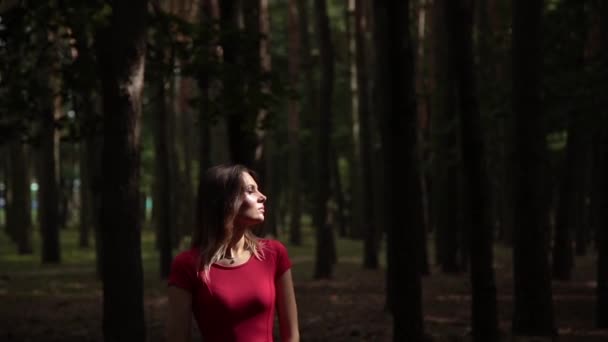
(252, 209)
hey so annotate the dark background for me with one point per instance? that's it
(436, 168)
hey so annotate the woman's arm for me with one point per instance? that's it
(179, 322)
(287, 309)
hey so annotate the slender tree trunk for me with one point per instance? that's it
(370, 242)
(48, 169)
(533, 306)
(93, 142)
(85, 198)
(293, 124)
(338, 193)
(265, 154)
(563, 254)
(484, 311)
(397, 105)
(162, 177)
(601, 305)
(20, 199)
(423, 105)
(355, 227)
(324, 233)
(121, 56)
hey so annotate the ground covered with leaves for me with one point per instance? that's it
(63, 302)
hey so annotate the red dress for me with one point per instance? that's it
(238, 304)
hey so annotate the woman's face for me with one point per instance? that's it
(251, 211)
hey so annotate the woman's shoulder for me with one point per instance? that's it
(273, 246)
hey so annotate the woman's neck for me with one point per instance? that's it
(237, 246)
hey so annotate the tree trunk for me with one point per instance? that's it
(265, 151)
(354, 222)
(397, 106)
(572, 186)
(162, 179)
(293, 125)
(445, 192)
(423, 62)
(86, 209)
(484, 311)
(533, 306)
(370, 242)
(339, 205)
(48, 170)
(20, 200)
(240, 119)
(121, 57)
(601, 308)
(323, 224)
(208, 13)
(563, 254)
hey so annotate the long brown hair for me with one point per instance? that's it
(222, 189)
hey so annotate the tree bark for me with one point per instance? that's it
(397, 106)
(533, 306)
(121, 52)
(324, 233)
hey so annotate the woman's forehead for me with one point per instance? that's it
(248, 180)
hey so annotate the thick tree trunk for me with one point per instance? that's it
(208, 12)
(445, 191)
(601, 306)
(483, 284)
(121, 57)
(370, 230)
(533, 306)
(240, 119)
(323, 224)
(397, 105)
(293, 125)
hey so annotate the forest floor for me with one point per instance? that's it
(54, 303)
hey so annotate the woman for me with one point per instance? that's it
(230, 280)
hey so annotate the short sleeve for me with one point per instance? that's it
(283, 261)
(183, 271)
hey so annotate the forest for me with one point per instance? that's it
(437, 169)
